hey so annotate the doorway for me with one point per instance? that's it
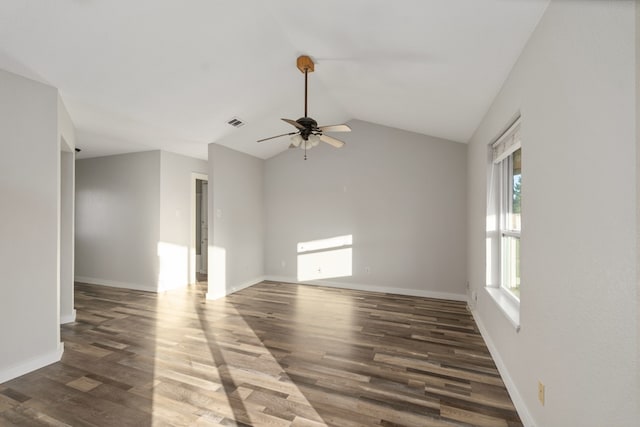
(199, 228)
(202, 226)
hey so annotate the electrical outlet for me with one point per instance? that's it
(367, 270)
(541, 392)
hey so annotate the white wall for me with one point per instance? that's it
(66, 129)
(401, 195)
(67, 207)
(29, 226)
(236, 224)
(574, 85)
(118, 220)
(175, 217)
(638, 202)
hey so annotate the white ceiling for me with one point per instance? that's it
(168, 74)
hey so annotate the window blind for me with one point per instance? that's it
(507, 143)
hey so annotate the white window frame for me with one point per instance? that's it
(506, 196)
(500, 194)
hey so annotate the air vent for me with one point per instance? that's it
(236, 122)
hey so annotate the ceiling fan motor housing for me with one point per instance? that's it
(310, 126)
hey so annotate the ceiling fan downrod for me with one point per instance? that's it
(305, 65)
(306, 71)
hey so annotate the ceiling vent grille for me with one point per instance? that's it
(236, 122)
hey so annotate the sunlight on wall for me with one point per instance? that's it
(492, 224)
(173, 266)
(489, 265)
(192, 264)
(330, 243)
(321, 259)
(217, 273)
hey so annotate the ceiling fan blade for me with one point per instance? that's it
(332, 141)
(277, 136)
(294, 123)
(335, 128)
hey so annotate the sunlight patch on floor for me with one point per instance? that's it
(224, 373)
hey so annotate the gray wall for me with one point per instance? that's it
(236, 223)
(637, 118)
(29, 226)
(67, 208)
(133, 219)
(66, 136)
(401, 195)
(118, 220)
(574, 85)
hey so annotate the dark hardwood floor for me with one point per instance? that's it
(270, 355)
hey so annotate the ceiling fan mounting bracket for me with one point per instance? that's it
(305, 63)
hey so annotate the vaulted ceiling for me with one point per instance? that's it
(169, 74)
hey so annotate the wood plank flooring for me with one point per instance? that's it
(270, 355)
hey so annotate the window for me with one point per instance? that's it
(511, 198)
(507, 163)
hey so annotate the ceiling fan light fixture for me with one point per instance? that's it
(296, 140)
(314, 140)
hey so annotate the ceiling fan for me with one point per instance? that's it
(309, 134)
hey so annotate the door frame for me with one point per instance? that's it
(193, 268)
(204, 248)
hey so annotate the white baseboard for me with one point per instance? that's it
(32, 364)
(114, 284)
(516, 397)
(217, 294)
(362, 287)
(68, 318)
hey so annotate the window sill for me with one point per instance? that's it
(507, 305)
